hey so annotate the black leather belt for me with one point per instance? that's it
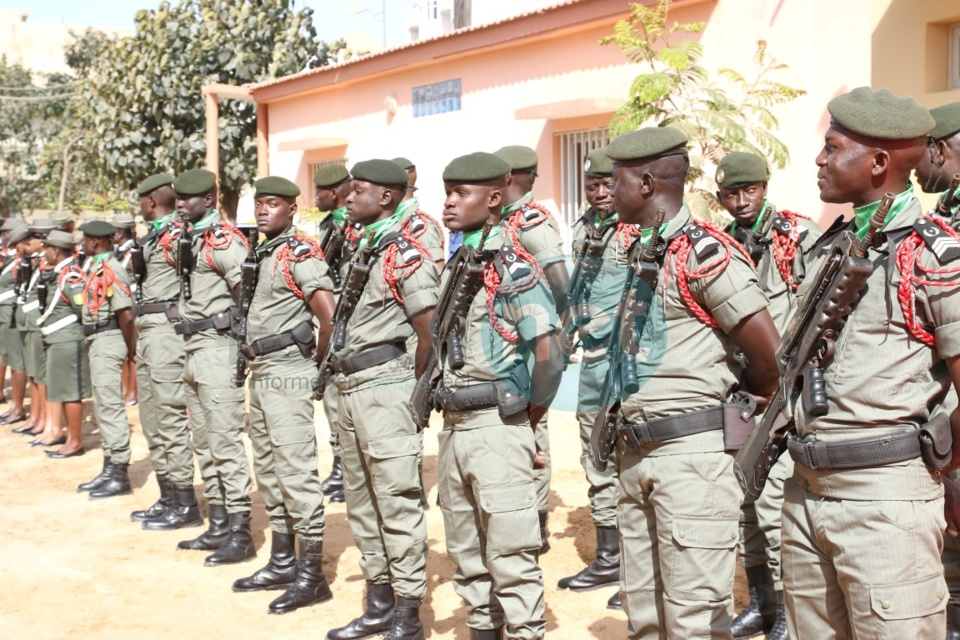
(165, 306)
(372, 357)
(301, 336)
(93, 329)
(639, 434)
(222, 322)
(855, 454)
(472, 398)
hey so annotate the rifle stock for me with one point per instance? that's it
(185, 261)
(331, 244)
(249, 271)
(585, 272)
(138, 266)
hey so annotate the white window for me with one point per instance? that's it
(313, 167)
(574, 147)
(954, 47)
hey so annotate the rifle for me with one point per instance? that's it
(41, 293)
(807, 348)
(949, 201)
(331, 244)
(357, 275)
(621, 379)
(449, 322)
(185, 260)
(752, 242)
(137, 265)
(585, 271)
(249, 271)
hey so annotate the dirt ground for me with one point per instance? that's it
(75, 568)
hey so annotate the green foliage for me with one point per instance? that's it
(734, 113)
(146, 110)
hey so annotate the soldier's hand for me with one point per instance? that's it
(539, 459)
(951, 506)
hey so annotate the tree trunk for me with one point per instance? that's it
(228, 204)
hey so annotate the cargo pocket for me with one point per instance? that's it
(294, 450)
(225, 408)
(702, 559)
(896, 608)
(510, 514)
(394, 467)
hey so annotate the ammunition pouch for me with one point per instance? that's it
(170, 308)
(301, 336)
(855, 454)
(735, 418)
(372, 357)
(222, 322)
(936, 442)
(93, 329)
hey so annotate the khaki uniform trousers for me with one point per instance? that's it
(859, 568)
(951, 557)
(217, 421)
(489, 502)
(284, 442)
(161, 400)
(542, 476)
(330, 401)
(760, 523)
(379, 444)
(107, 353)
(603, 491)
(678, 518)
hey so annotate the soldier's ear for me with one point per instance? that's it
(647, 181)
(881, 162)
(495, 197)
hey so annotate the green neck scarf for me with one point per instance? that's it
(862, 215)
(207, 220)
(408, 205)
(472, 238)
(510, 208)
(100, 257)
(160, 222)
(756, 223)
(339, 215)
(380, 227)
(646, 234)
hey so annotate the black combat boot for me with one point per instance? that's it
(334, 481)
(281, 568)
(544, 534)
(486, 634)
(603, 571)
(213, 537)
(406, 621)
(310, 585)
(157, 508)
(98, 480)
(761, 612)
(118, 484)
(338, 496)
(238, 545)
(377, 619)
(614, 602)
(779, 630)
(183, 513)
(953, 621)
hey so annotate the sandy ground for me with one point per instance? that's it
(75, 568)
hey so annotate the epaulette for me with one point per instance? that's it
(408, 253)
(940, 242)
(517, 268)
(299, 248)
(531, 215)
(416, 223)
(785, 226)
(704, 244)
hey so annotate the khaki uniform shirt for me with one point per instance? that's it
(684, 365)
(275, 308)
(540, 237)
(60, 321)
(7, 293)
(118, 296)
(29, 311)
(426, 230)
(162, 282)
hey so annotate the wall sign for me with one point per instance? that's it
(439, 97)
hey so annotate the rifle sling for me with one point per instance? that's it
(855, 454)
(372, 357)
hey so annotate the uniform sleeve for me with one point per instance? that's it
(533, 312)
(432, 238)
(579, 235)
(732, 295)
(802, 259)
(421, 289)
(544, 243)
(312, 275)
(943, 308)
(121, 298)
(228, 261)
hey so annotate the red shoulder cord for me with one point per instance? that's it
(352, 234)
(168, 240)
(427, 221)
(626, 233)
(73, 272)
(98, 288)
(493, 285)
(680, 247)
(913, 273)
(395, 272)
(517, 221)
(211, 241)
(286, 255)
(785, 247)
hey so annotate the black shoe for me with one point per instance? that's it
(281, 569)
(605, 570)
(544, 533)
(183, 511)
(98, 480)
(334, 481)
(213, 537)
(779, 630)
(614, 602)
(376, 619)
(310, 585)
(60, 456)
(761, 612)
(118, 484)
(14, 420)
(486, 634)
(406, 621)
(238, 545)
(953, 621)
(19, 430)
(339, 496)
(56, 442)
(162, 504)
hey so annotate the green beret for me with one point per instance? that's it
(476, 167)
(195, 182)
(385, 172)
(330, 176)
(740, 167)
(18, 234)
(275, 186)
(880, 114)
(947, 119)
(404, 163)
(597, 164)
(61, 217)
(60, 239)
(123, 221)
(9, 224)
(648, 142)
(153, 183)
(518, 157)
(42, 226)
(97, 228)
